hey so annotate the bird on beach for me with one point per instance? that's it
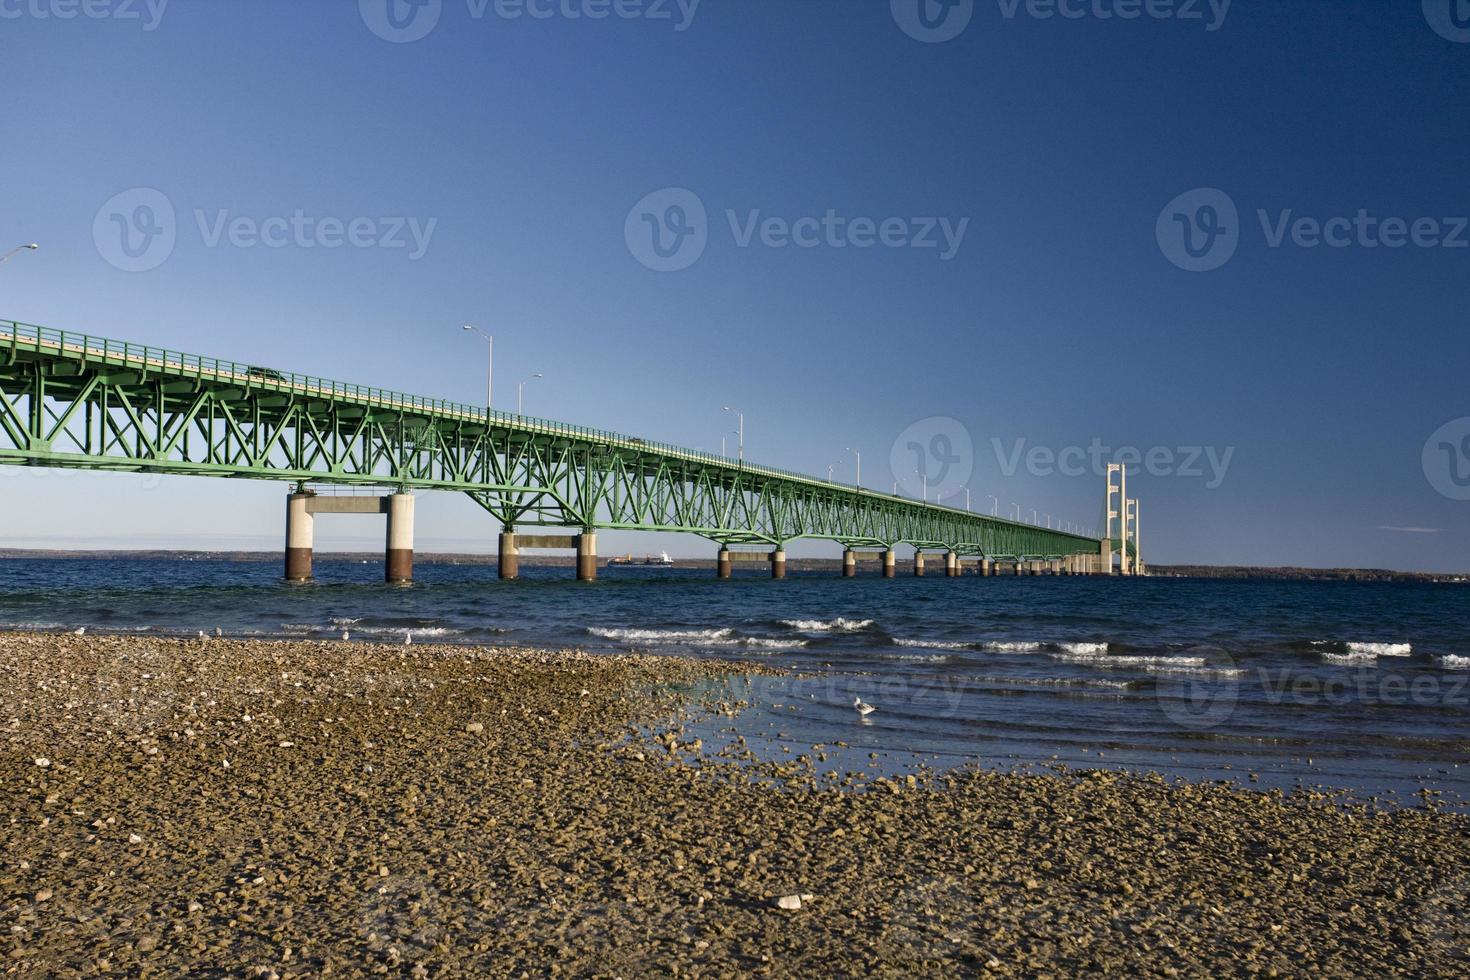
(202, 636)
(345, 635)
(218, 631)
(79, 631)
(408, 638)
(862, 707)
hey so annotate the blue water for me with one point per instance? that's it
(1359, 687)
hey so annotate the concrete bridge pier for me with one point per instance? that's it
(510, 555)
(951, 565)
(587, 557)
(918, 564)
(722, 563)
(890, 563)
(849, 563)
(778, 564)
(299, 534)
(985, 567)
(398, 560)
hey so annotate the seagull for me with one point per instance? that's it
(345, 634)
(79, 631)
(218, 631)
(202, 636)
(863, 708)
(408, 638)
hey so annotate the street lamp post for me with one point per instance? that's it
(859, 482)
(741, 433)
(19, 248)
(489, 367)
(994, 505)
(520, 389)
(1018, 510)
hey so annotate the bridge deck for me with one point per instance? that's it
(474, 450)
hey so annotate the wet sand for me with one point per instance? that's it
(298, 809)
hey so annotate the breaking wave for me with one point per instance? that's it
(660, 636)
(838, 625)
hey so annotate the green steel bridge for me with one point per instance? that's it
(73, 400)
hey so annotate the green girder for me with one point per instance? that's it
(72, 400)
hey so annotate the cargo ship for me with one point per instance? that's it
(662, 561)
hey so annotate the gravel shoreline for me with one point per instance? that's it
(223, 807)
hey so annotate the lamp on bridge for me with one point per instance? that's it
(741, 416)
(489, 370)
(521, 388)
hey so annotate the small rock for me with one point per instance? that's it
(134, 839)
(791, 902)
(43, 762)
(44, 895)
(474, 728)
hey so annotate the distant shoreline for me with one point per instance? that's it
(1240, 572)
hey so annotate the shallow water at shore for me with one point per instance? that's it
(1356, 686)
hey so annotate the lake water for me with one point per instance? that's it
(1357, 686)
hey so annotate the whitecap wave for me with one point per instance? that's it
(931, 644)
(1213, 673)
(659, 636)
(1451, 661)
(1353, 658)
(1012, 646)
(1144, 662)
(929, 658)
(1382, 649)
(838, 625)
(771, 643)
(1084, 649)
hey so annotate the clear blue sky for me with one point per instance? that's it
(1058, 319)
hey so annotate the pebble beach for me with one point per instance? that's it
(288, 809)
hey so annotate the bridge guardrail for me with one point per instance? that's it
(15, 334)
